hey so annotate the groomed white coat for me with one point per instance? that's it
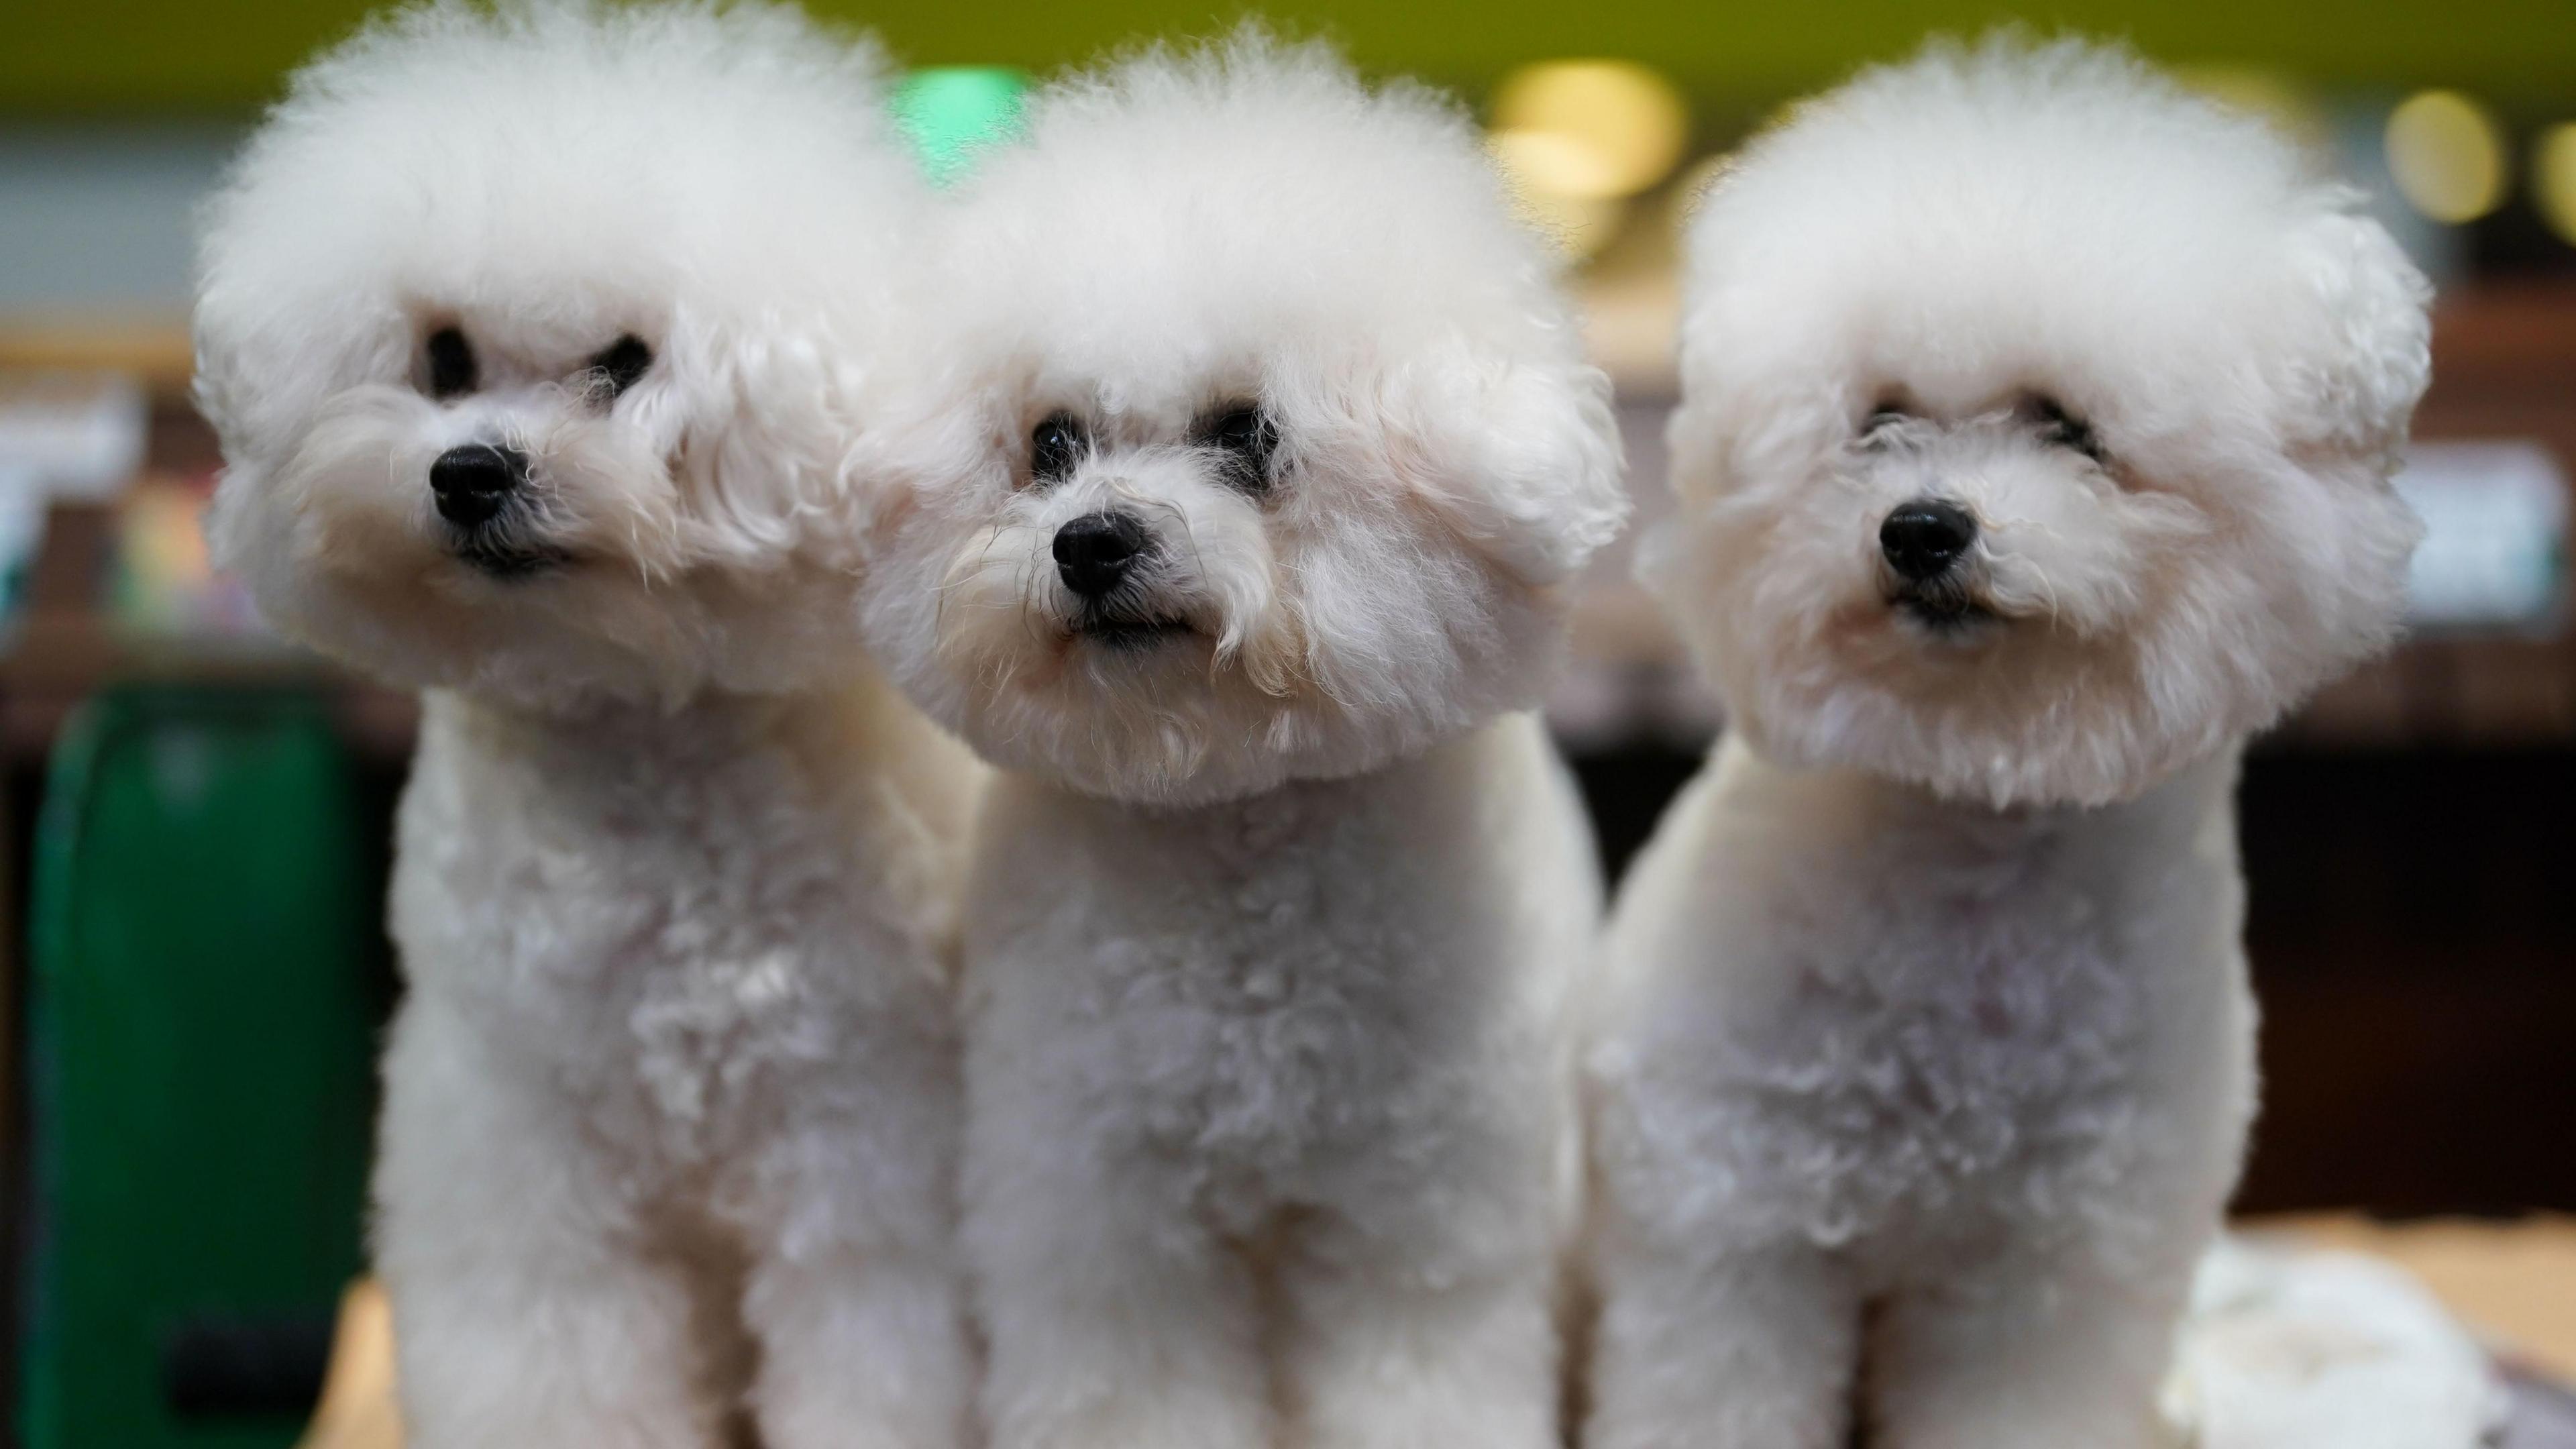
(1925, 1058)
(1244, 550)
(671, 1108)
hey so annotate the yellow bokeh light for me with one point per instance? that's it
(2553, 179)
(1553, 164)
(1548, 173)
(1610, 128)
(2447, 155)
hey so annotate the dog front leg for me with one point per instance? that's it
(1384, 1353)
(1750, 1349)
(525, 1314)
(855, 1293)
(1111, 1325)
(862, 1349)
(2036, 1351)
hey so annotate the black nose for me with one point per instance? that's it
(473, 481)
(1094, 552)
(1923, 538)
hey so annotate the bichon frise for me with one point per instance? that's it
(2034, 448)
(1256, 534)
(541, 343)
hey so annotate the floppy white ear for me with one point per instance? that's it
(1521, 458)
(754, 411)
(2376, 345)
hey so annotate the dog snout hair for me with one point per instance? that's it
(1925, 538)
(1095, 553)
(474, 481)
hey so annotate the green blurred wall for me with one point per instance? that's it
(142, 56)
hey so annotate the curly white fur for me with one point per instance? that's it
(1925, 1058)
(1269, 948)
(668, 1146)
(1958, 238)
(1182, 234)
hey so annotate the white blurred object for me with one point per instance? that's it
(76, 435)
(2296, 1348)
(2495, 528)
(22, 513)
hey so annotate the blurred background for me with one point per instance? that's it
(192, 967)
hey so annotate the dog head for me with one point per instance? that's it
(1272, 449)
(541, 343)
(2036, 428)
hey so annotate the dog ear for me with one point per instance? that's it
(763, 416)
(2349, 387)
(1520, 457)
(2372, 356)
(938, 435)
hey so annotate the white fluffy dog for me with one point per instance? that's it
(543, 345)
(2034, 448)
(1281, 455)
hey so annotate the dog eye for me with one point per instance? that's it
(1056, 446)
(623, 364)
(1248, 437)
(1881, 418)
(451, 363)
(2062, 429)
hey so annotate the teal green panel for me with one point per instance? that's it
(204, 950)
(950, 112)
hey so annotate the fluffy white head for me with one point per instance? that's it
(636, 269)
(2036, 427)
(1273, 449)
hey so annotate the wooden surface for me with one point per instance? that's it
(2514, 1284)
(357, 1409)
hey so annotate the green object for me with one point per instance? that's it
(952, 112)
(206, 960)
(61, 57)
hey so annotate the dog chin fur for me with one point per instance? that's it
(671, 1111)
(1275, 917)
(1444, 453)
(1924, 1059)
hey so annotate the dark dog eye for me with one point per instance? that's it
(623, 364)
(2062, 429)
(1056, 446)
(451, 363)
(1880, 418)
(1248, 437)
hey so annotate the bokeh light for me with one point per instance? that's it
(1590, 130)
(2447, 154)
(2553, 179)
(952, 112)
(1536, 163)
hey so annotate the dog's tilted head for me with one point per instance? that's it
(2036, 428)
(1273, 449)
(540, 342)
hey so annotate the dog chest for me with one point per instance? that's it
(1255, 992)
(680, 944)
(1293, 1019)
(1870, 1021)
(1963, 1044)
